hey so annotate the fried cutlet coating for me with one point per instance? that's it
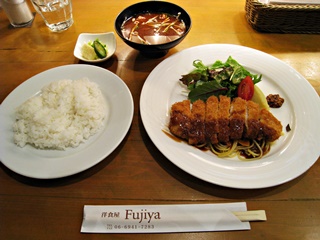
(237, 118)
(180, 119)
(219, 120)
(197, 127)
(223, 119)
(271, 127)
(211, 124)
(252, 122)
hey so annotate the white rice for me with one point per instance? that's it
(65, 114)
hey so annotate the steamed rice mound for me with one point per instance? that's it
(64, 114)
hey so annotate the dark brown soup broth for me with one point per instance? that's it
(153, 28)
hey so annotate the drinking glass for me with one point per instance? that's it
(57, 14)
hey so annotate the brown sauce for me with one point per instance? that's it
(205, 148)
(153, 28)
(172, 136)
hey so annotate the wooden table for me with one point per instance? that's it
(136, 172)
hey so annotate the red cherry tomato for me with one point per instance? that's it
(246, 88)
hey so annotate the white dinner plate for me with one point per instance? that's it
(293, 154)
(47, 164)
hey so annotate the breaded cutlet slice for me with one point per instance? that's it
(180, 119)
(223, 119)
(252, 123)
(211, 125)
(237, 118)
(197, 128)
(271, 127)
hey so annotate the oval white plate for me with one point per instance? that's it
(105, 38)
(290, 156)
(46, 164)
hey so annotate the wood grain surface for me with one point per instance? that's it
(137, 172)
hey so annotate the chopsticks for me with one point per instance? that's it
(249, 216)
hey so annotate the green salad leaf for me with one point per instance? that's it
(205, 89)
(220, 78)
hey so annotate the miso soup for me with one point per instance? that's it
(153, 28)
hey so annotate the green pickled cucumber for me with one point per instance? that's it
(99, 49)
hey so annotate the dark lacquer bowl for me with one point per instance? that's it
(153, 50)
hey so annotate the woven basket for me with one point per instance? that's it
(283, 18)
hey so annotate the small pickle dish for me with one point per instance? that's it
(86, 49)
